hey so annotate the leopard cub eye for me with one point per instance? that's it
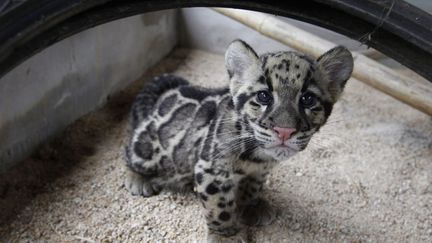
(308, 100)
(264, 97)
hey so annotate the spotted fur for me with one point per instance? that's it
(223, 141)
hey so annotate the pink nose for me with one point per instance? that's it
(284, 133)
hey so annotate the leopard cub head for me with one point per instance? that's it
(285, 96)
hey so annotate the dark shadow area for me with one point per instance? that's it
(295, 217)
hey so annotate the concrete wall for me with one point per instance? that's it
(55, 87)
(425, 5)
(205, 29)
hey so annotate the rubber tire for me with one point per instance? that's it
(404, 33)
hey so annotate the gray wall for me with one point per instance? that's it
(207, 30)
(55, 87)
(425, 5)
(65, 81)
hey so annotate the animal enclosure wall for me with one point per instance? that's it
(218, 31)
(65, 81)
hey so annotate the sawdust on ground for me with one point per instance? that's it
(367, 176)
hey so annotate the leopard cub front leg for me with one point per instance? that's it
(216, 189)
(253, 209)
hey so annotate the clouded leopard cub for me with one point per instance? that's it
(225, 141)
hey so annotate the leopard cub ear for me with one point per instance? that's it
(336, 66)
(240, 58)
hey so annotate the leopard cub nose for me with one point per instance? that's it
(284, 133)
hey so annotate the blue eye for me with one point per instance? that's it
(264, 97)
(308, 100)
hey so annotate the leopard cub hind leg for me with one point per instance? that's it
(138, 185)
(142, 165)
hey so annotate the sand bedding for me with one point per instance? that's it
(367, 176)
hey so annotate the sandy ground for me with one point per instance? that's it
(366, 177)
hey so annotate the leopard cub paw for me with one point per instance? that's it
(137, 185)
(258, 213)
